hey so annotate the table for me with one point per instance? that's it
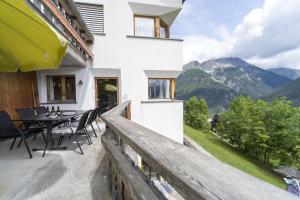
(49, 121)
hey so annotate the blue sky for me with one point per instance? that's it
(259, 31)
(204, 16)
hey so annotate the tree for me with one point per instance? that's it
(196, 113)
(263, 130)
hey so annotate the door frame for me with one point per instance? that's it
(96, 88)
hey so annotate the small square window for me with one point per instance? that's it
(61, 88)
(159, 89)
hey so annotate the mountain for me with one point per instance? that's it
(291, 91)
(240, 76)
(219, 81)
(292, 74)
(195, 82)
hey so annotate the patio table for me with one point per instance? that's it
(49, 121)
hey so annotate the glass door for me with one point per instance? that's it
(107, 92)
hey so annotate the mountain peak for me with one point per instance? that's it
(191, 65)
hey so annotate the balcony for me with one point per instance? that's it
(169, 52)
(71, 27)
(127, 162)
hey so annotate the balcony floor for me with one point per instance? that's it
(59, 175)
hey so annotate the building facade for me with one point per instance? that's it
(132, 57)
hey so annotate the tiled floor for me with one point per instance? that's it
(59, 175)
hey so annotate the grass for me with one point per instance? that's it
(227, 154)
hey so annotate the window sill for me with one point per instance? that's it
(154, 38)
(161, 101)
(100, 34)
(60, 102)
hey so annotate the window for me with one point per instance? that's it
(150, 27)
(93, 16)
(144, 26)
(161, 88)
(61, 88)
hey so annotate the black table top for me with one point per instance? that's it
(61, 117)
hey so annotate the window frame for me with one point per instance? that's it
(63, 89)
(171, 88)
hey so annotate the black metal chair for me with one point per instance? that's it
(100, 110)
(8, 130)
(28, 113)
(40, 110)
(69, 130)
(92, 117)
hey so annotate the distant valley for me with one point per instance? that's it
(219, 81)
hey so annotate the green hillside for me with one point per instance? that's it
(291, 91)
(228, 155)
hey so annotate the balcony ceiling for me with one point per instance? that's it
(167, 11)
(73, 59)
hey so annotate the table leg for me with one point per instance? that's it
(50, 142)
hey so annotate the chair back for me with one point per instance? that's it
(25, 113)
(82, 121)
(101, 109)
(92, 116)
(41, 110)
(6, 123)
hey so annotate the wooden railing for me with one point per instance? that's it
(51, 13)
(194, 175)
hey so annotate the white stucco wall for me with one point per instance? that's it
(164, 118)
(129, 59)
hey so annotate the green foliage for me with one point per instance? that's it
(265, 131)
(196, 113)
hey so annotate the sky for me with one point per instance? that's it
(263, 32)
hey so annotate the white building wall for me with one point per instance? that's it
(130, 59)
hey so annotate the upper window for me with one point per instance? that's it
(147, 26)
(61, 88)
(93, 16)
(144, 26)
(159, 88)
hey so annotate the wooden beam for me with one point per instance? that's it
(157, 26)
(173, 88)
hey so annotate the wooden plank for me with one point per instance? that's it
(157, 27)
(18, 90)
(135, 185)
(193, 174)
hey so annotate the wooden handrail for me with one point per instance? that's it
(193, 174)
(66, 24)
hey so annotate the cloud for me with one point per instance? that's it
(289, 59)
(267, 36)
(203, 48)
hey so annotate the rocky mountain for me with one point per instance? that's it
(195, 82)
(219, 81)
(292, 74)
(242, 77)
(291, 91)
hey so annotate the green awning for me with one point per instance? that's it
(27, 41)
